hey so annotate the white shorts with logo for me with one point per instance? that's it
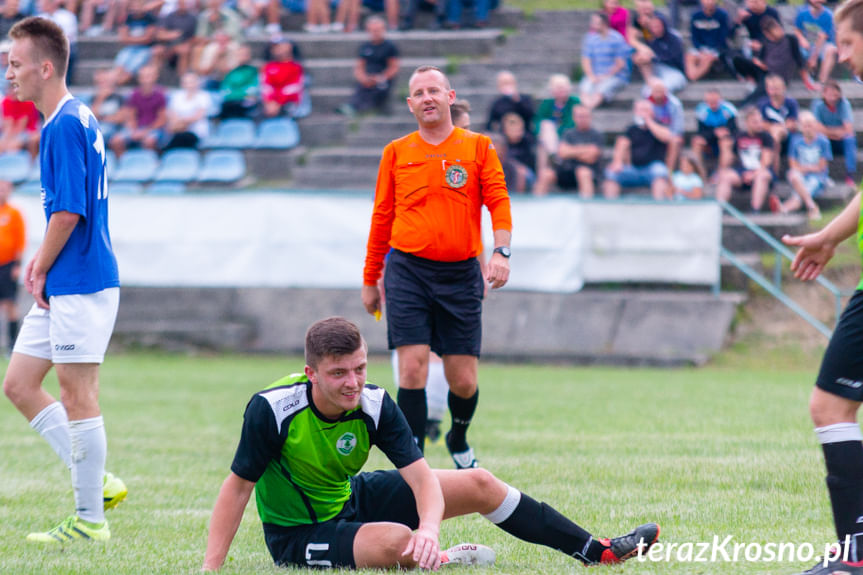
(76, 329)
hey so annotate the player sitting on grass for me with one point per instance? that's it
(305, 439)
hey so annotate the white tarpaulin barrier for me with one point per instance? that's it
(305, 240)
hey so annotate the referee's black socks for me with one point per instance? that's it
(843, 457)
(413, 404)
(462, 410)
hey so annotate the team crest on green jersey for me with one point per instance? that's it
(456, 176)
(346, 443)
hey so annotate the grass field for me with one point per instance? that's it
(723, 450)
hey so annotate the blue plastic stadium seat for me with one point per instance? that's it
(166, 189)
(125, 188)
(110, 163)
(29, 188)
(223, 167)
(277, 134)
(35, 173)
(235, 134)
(15, 166)
(180, 165)
(136, 166)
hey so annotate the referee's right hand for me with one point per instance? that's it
(371, 298)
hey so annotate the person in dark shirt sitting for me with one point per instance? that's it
(709, 29)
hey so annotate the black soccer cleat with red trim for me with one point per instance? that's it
(639, 540)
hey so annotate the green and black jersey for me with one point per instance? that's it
(302, 462)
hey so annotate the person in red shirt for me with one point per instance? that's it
(282, 80)
(20, 126)
(431, 187)
(12, 240)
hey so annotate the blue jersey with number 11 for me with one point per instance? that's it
(74, 179)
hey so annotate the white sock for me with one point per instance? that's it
(506, 507)
(437, 390)
(89, 451)
(53, 425)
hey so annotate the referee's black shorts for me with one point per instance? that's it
(8, 286)
(434, 303)
(842, 367)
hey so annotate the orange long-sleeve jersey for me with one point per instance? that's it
(12, 237)
(428, 199)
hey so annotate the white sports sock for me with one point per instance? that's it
(89, 451)
(53, 424)
(506, 507)
(437, 390)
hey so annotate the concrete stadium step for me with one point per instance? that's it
(337, 177)
(737, 238)
(322, 129)
(412, 44)
(734, 279)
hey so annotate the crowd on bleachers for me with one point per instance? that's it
(747, 145)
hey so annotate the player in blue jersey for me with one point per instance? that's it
(73, 278)
(304, 442)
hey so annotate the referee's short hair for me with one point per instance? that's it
(428, 68)
(331, 337)
(48, 39)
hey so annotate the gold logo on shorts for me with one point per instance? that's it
(456, 176)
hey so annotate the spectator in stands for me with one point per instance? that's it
(107, 104)
(137, 35)
(639, 33)
(217, 35)
(19, 128)
(686, 182)
(187, 113)
(639, 156)
(9, 15)
(5, 45)
(668, 111)
(753, 168)
(389, 8)
(460, 113)
(709, 29)
(240, 87)
(817, 38)
(779, 54)
(105, 12)
(667, 63)
(375, 70)
(476, 15)
(54, 11)
(253, 12)
(779, 111)
(216, 59)
(175, 37)
(836, 122)
(808, 157)
(216, 17)
(521, 147)
(604, 62)
(579, 158)
(145, 114)
(413, 6)
(717, 128)
(318, 18)
(509, 100)
(282, 80)
(617, 16)
(750, 17)
(553, 117)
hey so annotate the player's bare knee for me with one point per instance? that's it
(828, 409)
(489, 489)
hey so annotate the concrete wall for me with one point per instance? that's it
(657, 327)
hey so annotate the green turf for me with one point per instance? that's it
(721, 450)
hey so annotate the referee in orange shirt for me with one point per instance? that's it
(12, 238)
(431, 187)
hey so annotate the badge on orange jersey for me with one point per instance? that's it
(456, 176)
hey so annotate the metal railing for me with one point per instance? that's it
(774, 287)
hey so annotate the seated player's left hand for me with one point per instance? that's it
(425, 548)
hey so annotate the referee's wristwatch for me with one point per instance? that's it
(504, 251)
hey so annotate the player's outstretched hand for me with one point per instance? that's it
(424, 548)
(814, 253)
